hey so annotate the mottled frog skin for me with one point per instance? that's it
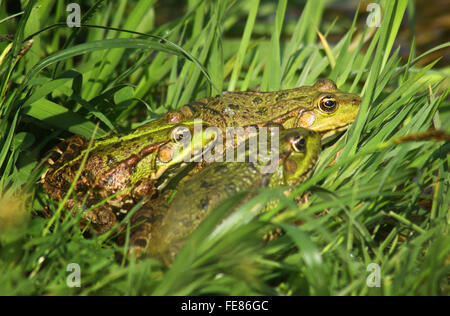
(321, 107)
(120, 169)
(164, 227)
(124, 168)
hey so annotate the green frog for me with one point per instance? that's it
(165, 226)
(129, 165)
(122, 169)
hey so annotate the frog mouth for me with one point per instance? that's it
(305, 175)
(331, 132)
(324, 127)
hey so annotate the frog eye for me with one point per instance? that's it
(328, 104)
(180, 133)
(298, 143)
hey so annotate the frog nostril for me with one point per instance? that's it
(356, 101)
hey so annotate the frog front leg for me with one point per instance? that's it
(105, 216)
(102, 219)
(145, 188)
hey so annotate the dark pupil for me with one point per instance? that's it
(329, 103)
(300, 142)
(180, 136)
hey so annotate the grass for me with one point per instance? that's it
(385, 200)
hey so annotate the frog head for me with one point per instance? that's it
(293, 157)
(331, 110)
(186, 142)
(321, 107)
